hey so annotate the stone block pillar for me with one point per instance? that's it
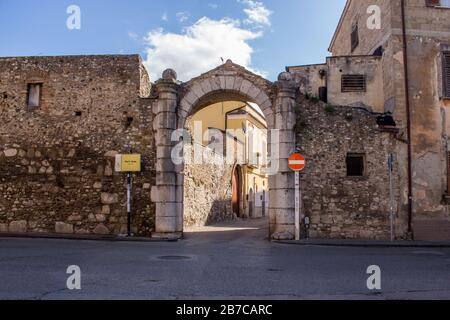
(282, 184)
(164, 193)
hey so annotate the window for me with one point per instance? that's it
(438, 3)
(355, 37)
(34, 95)
(353, 83)
(355, 165)
(448, 173)
(446, 74)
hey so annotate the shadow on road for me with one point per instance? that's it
(241, 229)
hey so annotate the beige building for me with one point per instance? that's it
(393, 57)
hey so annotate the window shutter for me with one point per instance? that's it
(355, 37)
(448, 172)
(446, 74)
(433, 3)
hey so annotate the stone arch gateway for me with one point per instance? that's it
(177, 101)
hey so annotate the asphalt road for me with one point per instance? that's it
(228, 262)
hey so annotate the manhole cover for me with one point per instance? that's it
(174, 258)
(275, 270)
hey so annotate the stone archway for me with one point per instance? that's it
(177, 101)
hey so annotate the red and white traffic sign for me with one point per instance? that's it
(297, 162)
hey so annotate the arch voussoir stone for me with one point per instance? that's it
(237, 84)
(215, 83)
(206, 86)
(229, 82)
(245, 87)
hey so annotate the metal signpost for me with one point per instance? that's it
(391, 161)
(128, 163)
(297, 163)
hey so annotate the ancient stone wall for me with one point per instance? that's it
(207, 190)
(369, 66)
(57, 161)
(341, 206)
(309, 78)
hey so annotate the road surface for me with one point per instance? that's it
(231, 261)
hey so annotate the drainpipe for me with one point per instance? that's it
(408, 119)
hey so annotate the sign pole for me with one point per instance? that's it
(297, 163)
(391, 194)
(129, 203)
(297, 205)
(129, 163)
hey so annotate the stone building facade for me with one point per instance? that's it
(207, 189)
(339, 203)
(403, 63)
(63, 120)
(57, 158)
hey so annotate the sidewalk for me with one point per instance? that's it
(83, 237)
(367, 243)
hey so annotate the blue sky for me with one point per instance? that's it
(189, 35)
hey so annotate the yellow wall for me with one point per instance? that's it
(214, 116)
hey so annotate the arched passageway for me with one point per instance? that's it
(178, 101)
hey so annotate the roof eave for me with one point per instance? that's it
(341, 20)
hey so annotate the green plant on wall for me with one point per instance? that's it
(330, 109)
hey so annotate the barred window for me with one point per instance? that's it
(353, 83)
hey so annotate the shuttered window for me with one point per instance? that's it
(355, 37)
(353, 83)
(448, 173)
(446, 74)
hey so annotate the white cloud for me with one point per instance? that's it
(133, 36)
(256, 13)
(199, 48)
(164, 17)
(213, 5)
(183, 16)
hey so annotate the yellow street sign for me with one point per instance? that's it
(130, 162)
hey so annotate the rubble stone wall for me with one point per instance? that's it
(57, 161)
(207, 190)
(340, 206)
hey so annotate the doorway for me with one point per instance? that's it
(236, 191)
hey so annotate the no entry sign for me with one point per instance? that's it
(297, 162)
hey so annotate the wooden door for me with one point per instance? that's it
(236, 187)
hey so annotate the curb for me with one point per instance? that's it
(83, 237)
(405, 244)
